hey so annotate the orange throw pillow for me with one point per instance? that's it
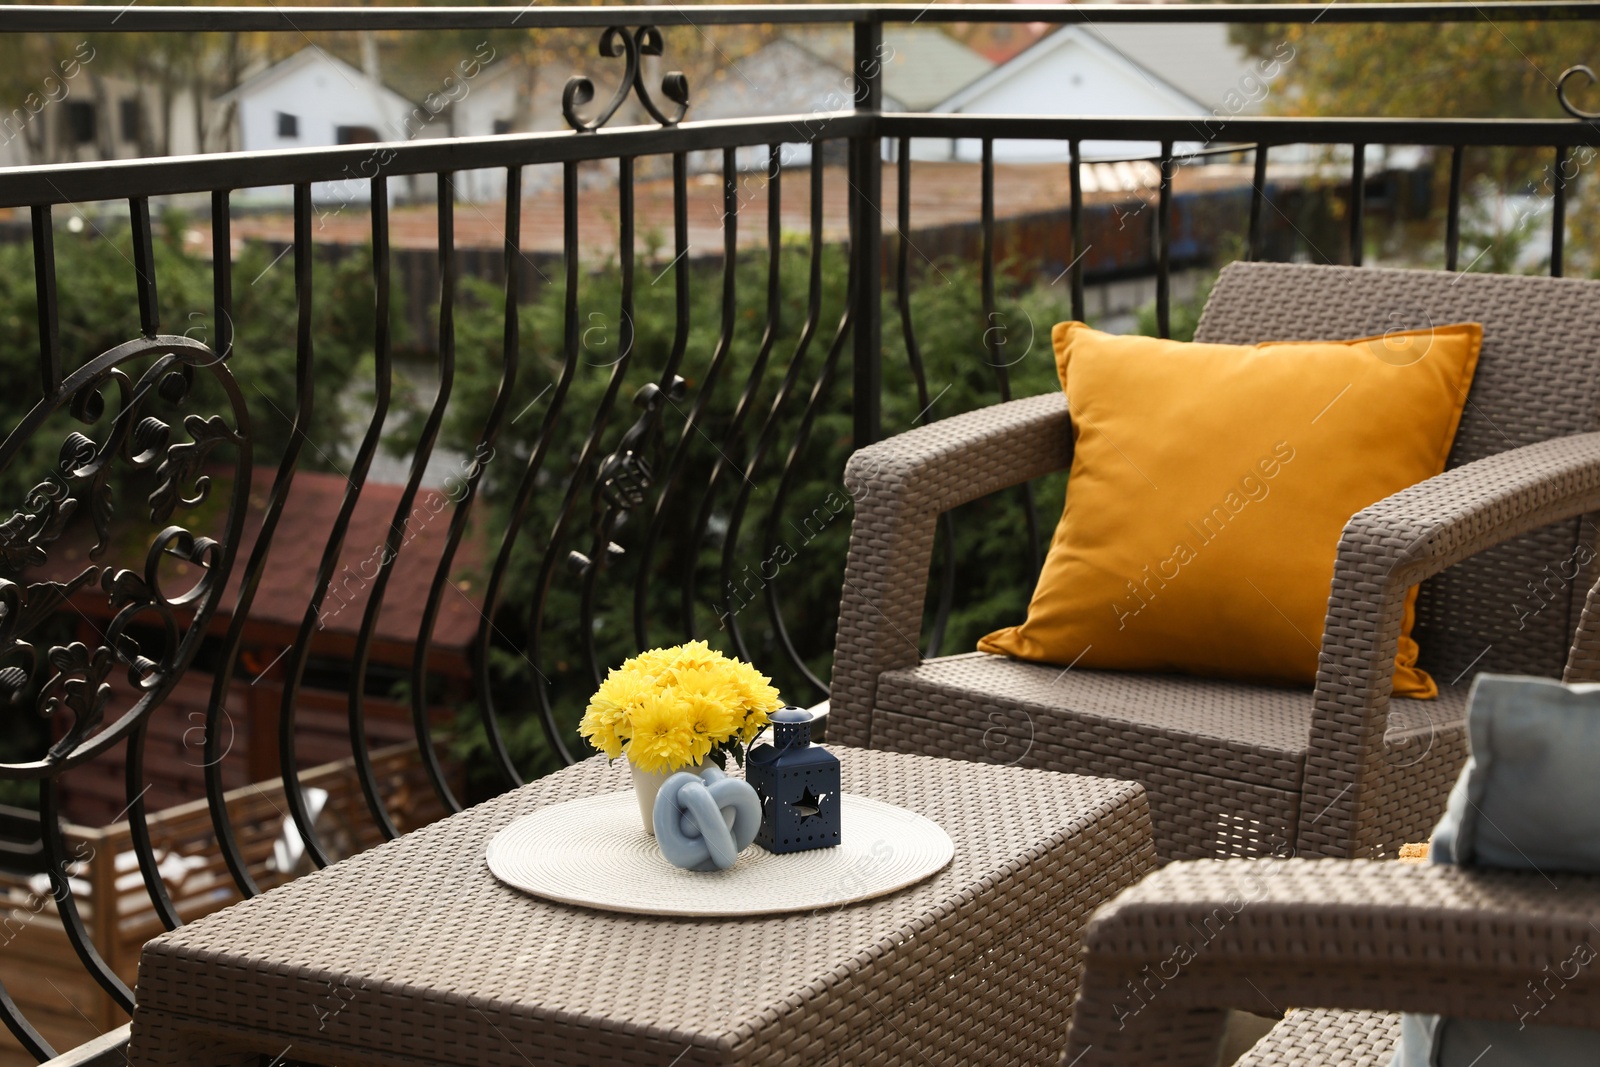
(1209, 487)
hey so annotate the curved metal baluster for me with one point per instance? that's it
(719, 356)
(395, 538)
(625, 341)
(510, 357)
(383, 384)
(802, 435)
(902, 296)
(30, 1039)
(44, 278)
(67, 903)
(747, 398)
(769, 429)
(1075, 194)
(305, 381)
(481, 456)
(1164, 245)
(294, 669)
(447, 378)
(139, 830)
(144, 266)
(819, 391)
(519, 504)
(216, 709)
(680, 271)
(1358, 203)
(1558, 215)
(221, 274)
(591, 442)
(1258, 193)
(680, 342)
(994, 336)
(1452, 222)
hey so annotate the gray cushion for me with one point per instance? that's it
(1528, 799)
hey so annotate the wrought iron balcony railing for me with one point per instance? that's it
(179, 518)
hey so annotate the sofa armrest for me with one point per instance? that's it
(1169, 955)
(900, 487)
(1384, 551)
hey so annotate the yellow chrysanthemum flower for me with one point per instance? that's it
(754, 722)
(710, 705)
(669, 707)
(662, 738)
(697, 655)
(606, 720)
(755, 689)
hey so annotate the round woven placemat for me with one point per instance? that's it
(593, 852)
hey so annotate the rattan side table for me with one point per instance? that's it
(413, 953)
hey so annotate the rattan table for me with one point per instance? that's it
(413, 953)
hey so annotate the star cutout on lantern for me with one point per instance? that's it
(809, 804)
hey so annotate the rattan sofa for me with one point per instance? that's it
(1502, 538)
(1349, 943)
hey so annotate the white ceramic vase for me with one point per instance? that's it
(646, 784)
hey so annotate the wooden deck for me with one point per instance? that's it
(38, 965)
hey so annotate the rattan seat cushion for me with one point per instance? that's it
(1247, 732)
(1223, 762)
(1327, 1038)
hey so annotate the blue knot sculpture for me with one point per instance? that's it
(704, 821)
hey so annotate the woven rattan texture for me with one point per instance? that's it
(413, 953)
(1210, 794)
(1168, 955)
(1322, 1037)
(1249, 732)
(1371, 780)
(1194, 814)
(900, 486)
(1583, 658)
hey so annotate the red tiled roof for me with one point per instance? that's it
(942, 193)
(301, 537)
(297, 546)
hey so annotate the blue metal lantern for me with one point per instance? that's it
(798, 784)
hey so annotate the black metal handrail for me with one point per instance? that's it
(283, 19)
(727, 426)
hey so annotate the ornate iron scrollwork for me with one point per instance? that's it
(624, 478)
(631, 46)
(81, 482)
(1561, 92)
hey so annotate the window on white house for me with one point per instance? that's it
(502, 126)
(288, 125)
(80, 121)
(130, 118)
(355, 135)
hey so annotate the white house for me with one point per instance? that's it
(1120, 69)
(312, 100)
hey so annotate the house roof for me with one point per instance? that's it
(924, 66)
(297, 545)
(1197, 58)
(1196, 63)
(302, 59)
